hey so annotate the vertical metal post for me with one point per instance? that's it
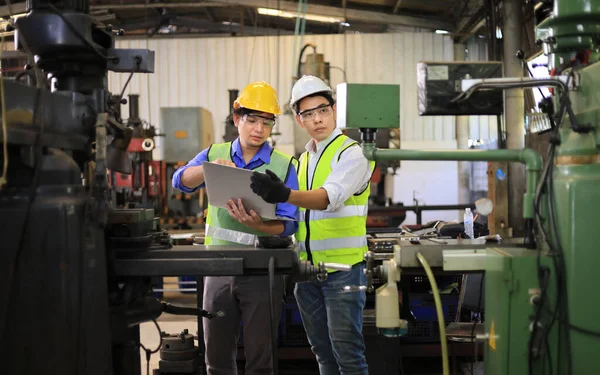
(462, 142)
(199, 305)
(514, 112)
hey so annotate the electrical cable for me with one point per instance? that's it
(440, 312)
(534, 330)
(274, 360)
(531, 75)
(138, 61)
(253, 48)
(150, 352)
(549, 356)
(341, 70)
(546, 184)
(3, 179)
(78, 34)
(479, 317)
(555, 246)
(542, 187)
(584, 331)
(296, 36)
(37, 166)
(38, 73)
(543, 284)
(564, 297)
(298, 72)
(81, 266)
(126, 84)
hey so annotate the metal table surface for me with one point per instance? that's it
(432, 251)
(192, 260)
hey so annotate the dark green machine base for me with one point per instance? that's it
(510, 277)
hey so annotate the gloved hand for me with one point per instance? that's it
(270, 187)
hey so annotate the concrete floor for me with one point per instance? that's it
(175, 324)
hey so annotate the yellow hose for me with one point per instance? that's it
(440, 313)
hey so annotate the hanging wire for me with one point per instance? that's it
(296, 33)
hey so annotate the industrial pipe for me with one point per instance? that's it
(529, 157)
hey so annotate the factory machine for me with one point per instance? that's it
(75, 270)
(541, 313)
(145, 183)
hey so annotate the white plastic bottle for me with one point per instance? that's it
(468, 221)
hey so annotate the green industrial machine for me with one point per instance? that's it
(542, 309)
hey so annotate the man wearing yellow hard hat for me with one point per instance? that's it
(244, 298)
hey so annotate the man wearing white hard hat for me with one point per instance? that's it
(334, 178)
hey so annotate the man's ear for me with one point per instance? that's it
(236, 120)
(299, 121)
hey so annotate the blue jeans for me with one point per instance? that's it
(333, 321)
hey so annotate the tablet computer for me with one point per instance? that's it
(224, 183)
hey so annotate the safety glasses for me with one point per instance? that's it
(254, 120)
(322, 111)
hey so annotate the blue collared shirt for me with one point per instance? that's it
(263, 156)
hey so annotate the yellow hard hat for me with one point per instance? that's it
(259, 96)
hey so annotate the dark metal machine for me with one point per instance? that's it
(74, 271)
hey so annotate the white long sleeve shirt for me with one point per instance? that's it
(349, 175)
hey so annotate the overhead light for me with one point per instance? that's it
(442, 32)
(308, 17)
(345, 24)
(168, 29)
(228, 23)
(498, 32)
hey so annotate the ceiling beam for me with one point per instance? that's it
(350, 14)
(14, 8)
(159, 5)
(192, 34)
(21, 7)
(105, 17)
(207, 26)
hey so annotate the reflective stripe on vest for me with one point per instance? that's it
(335, 243)
(221, 228)
(230, 235)
(338, 236)
(344, 211)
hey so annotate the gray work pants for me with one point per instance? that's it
(244, 298)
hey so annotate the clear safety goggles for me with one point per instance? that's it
(322, 111)
(254, 120)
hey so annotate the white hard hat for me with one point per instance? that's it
(308, 85)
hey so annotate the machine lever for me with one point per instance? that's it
(337, 266)
(323, 267)
(180, 310)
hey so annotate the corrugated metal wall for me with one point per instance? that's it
(198, 72)
(484, 128)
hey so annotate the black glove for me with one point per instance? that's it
(269, 187)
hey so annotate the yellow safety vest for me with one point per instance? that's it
(220, 228)
(339, 236)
